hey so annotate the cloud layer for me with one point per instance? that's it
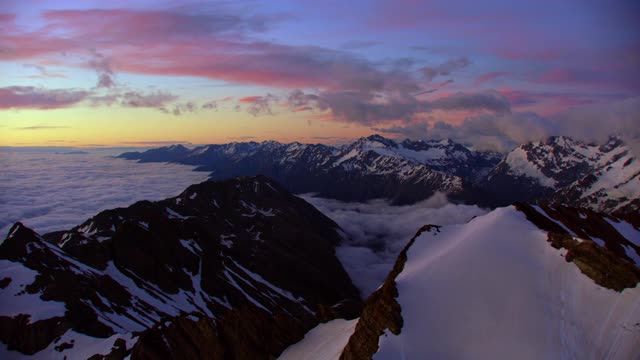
(378, 231)
(49, 191)
(502, 131)
(445, 69)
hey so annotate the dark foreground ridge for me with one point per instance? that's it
(594, 243)
(235, 269)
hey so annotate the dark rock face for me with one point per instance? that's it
(183, 338)
(611, 265)
(381, 311)
(19, 334)
(244, 333)
(372, 167)
(241, 265)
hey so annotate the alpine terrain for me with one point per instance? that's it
(236, 269)
(521, 282)
(602, 177)
(369, 168)
(239, 268)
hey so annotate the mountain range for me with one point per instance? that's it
(240, 268)
(372, 167)
(603, 177)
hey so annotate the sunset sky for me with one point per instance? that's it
(129, 73)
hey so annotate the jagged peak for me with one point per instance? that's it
(177, 147)
(378, 138)
(271, 142)
(16, 228)
(431, 142)
(561, 140)
(239, 182)
(446, 141)
(612, 142)
(571, 144)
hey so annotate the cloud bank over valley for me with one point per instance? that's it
(377, 231)
(49, 191)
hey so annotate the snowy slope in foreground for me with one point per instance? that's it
(324, 342)
(495, 289)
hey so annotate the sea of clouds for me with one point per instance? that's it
(377, 231)
(51, 191)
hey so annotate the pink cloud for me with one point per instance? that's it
(6, 18)
(519, 97)
(250, 99)
(220, 46)
(557, 75)
(489, 76)
(211, 46)
(302, 108)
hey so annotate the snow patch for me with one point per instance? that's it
(283, 293)
(225, 242)
(83, 347)
(232, 281)
(14, 299)
(521, 166)
(323, 342)
(175, 215)
(192, 246)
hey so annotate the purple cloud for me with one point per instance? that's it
(445, 69)
(29, 97)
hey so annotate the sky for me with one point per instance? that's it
(490, 74)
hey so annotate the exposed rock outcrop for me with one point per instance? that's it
(381, 311)
(609, 265)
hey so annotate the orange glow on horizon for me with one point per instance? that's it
(89, 127)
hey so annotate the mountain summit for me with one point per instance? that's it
(235, 269)
(602, 177)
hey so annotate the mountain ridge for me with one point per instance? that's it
(604, 177)
(371, 167)
(456, 290)
(243, 260)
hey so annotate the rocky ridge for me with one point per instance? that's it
(242, 264)
(605, 178)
